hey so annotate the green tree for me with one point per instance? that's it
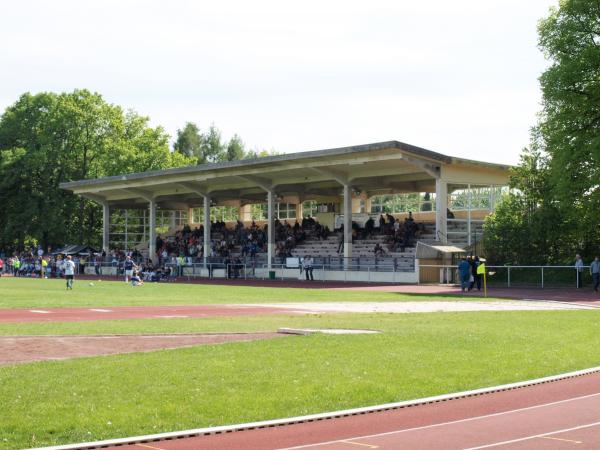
(253, 154)
(212, 149)
(49, 138)
(569, 129)
(189, 141)
(555, 210)
(235, 149)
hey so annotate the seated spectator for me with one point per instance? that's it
(136, 280)
(378, 250)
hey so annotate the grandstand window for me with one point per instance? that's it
(259, 211)
(127, 228)
(286, 210)
(310, 208)
(479, 197)
(399, 203)
(220, 213)
(197, 215)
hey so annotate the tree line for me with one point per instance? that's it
(49, 138)
(554, 211)
(208, 147)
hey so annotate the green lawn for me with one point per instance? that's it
(36, 293)
(416, 355)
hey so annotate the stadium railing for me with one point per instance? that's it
(521, 276)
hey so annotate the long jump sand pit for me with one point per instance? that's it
(24, 349)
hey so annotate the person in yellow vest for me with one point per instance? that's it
(16, 266)
(476, 275)
(180, 264)
(44, 272)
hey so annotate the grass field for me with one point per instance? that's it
(416, 355)
(36, 293)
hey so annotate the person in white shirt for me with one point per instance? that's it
(579, 269)
(69, 267)
(307, 265)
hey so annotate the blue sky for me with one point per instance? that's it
(455, 77)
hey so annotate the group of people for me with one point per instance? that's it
(467, 271)
(398, 233)
(594, 271)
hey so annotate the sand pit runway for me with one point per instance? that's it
(23, 349)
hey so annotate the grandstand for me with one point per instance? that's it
(340, 189)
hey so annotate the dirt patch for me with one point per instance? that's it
(23, 349)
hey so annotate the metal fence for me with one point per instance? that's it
(521, 276)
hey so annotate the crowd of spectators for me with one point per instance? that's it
(231, 245)
(243, 241)
(35, 263)
(400, 234)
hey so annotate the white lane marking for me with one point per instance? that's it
(40, 311)
(425, 427)
(542, 435)
(363, 445)
(562, 440)
(101, 310)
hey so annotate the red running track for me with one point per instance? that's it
(132, 312)
(562, 414)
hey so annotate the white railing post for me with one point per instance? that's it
(542, 277)
(508, 279)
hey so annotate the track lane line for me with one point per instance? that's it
(360, 444)
(542, 435)
(469, 419)
(149, 446)
(563, 440)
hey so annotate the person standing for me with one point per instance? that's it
(464, 272)
(16, 266)
(579, 269)
(128, 266)
(476, 277)
(595, 272)
(69, 268)
(307, 264)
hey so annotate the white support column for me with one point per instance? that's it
(347, 222)
(105, 227)
(270, 228)
(469, 193)
(190, 220)
(152, 232)
(126, 229)
(206, 229)
(441, 208)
